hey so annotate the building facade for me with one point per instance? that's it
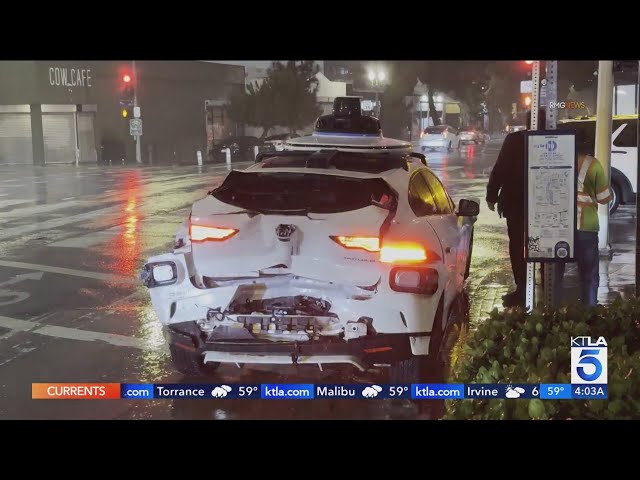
(70, 111)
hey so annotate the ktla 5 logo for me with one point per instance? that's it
(588, 360)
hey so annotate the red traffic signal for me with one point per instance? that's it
(126, 78)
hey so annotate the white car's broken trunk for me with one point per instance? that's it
(299, 245)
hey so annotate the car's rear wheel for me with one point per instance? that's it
(422, 368)
(615, 198)
(189, 363)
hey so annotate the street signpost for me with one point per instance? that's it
(535, 104)
(135, 127)
(551, 162)
(544, 92)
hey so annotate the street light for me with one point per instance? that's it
(376, 78)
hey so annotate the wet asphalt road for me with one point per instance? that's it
(71, 310)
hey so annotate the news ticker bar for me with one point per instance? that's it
(268, 391)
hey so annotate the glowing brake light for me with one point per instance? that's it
(199, 233)
(370, 244)
(403, 252)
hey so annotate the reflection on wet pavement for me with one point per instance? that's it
(112, 220)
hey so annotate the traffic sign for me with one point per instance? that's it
(526, 86)
(367, 105)
(136, 112)
(135, 127)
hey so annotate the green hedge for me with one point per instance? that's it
(517, 347)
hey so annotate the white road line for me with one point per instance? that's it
(10, 203)
(47, 207)
(56, 222)
(106, 277)
(90, 239)
(68, 198)
(78, 334)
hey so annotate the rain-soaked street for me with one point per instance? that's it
(72, 310)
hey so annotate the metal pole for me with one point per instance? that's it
(637, 193)
(535, 104)
(604, 119)
(135, 104)
(552, 293)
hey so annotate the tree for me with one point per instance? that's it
(503, 89)
(395, 114)
(294, 86)
(286, 97)
(253, 107)
(465, 81)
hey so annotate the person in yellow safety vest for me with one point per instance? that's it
(593, 189)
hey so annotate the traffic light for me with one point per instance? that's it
(126, 113)
(525, 99)
(527, 67)
(126, 90)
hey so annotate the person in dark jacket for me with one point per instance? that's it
(506, 189)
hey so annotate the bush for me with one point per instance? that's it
(517, 347)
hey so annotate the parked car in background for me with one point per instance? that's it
(442, 136)
(242, 149)
(470, 135)
(484, 135)
(278, 141)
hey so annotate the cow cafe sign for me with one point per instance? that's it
(70, 77)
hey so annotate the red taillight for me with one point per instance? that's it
(370, 244)
(403, 252)
(200, 233)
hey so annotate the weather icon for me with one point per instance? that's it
(221, 391)
(372, 391)
(514, 392)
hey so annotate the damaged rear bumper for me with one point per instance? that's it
(361, 352)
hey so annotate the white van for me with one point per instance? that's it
(624, 154)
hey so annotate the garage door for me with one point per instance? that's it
(15, 138)
(86, 138)
(59, 131)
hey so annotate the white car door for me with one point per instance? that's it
(454, 232)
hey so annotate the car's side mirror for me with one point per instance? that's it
(468, 208)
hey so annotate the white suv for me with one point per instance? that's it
(624, 154)
(319, 256)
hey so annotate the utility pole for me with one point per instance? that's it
(604, 109)
(135, 108)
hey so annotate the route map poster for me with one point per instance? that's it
(550, 203)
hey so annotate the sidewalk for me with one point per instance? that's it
(617, 273)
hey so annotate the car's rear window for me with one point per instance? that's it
(434, 130)
(296, 193)
(347, 161)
